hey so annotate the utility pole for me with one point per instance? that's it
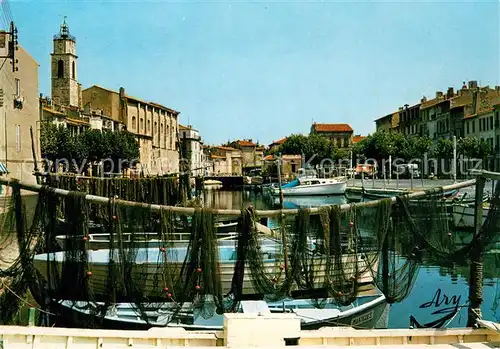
(454, 159)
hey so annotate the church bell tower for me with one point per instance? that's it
(65, 87)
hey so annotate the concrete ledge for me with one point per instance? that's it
(246, 331)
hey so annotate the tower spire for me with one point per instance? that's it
(64, 31)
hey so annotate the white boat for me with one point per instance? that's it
(312, 186)
(463, 215)
(123, 316)
(145, 266)
(364, 312)
(145, 240)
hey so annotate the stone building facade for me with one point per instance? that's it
(340, 134)
(251, 154)
(222, 160)
(154, 125)
(388, 123)
(19, 111)
(192, 149)
(276, 144)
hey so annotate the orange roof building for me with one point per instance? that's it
(246, 143)
(357, 138)
(340, 134)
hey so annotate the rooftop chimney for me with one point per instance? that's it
(473, 84)
(497, 88)
(439, 94)
(450, 93)
(423, 100)
(122, 92)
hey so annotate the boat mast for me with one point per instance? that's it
(279, 179)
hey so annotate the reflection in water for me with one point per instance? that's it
(233, 200)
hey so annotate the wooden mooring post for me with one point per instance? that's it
(477, 257)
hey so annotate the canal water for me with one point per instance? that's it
(437, 287)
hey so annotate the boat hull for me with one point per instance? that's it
(77, 314)
(463, 216)
(147, 270)
(364, 316)
(314, 189)
(365, 312)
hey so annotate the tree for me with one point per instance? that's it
(467, 146)
(422, 145)
(87, 148)
(444, 148)
(295, 144)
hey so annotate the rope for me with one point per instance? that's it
(24, 301)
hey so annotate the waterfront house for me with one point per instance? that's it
(388, 123)
(274, 145)
(223, 160)
(19, 111)
(251, 154)
(191, 147)
(339, 134)
(290, 164)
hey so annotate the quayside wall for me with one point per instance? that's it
(244, 331)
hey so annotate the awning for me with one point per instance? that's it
(3, 168)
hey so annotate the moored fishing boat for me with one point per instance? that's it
(145, 263)
(312, 186)
(123, 316)
(364, 312)
(463, 215)
(143, 240)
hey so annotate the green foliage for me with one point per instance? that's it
(381, 144)
(474, 147)
(88, 147)
(314, 147)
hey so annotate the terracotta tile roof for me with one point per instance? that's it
(245, 144)
(357, 138)
(482, 112)
(280, 141)
(332, 127)
(137, 99)
(269, 158)
(225, 148)
(260, 148)
(383, 118)
(217, 156)
(182, 127)
(291, 157)
(433, 102)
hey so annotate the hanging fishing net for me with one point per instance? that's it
(89, 260)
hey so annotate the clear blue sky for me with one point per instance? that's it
(265, 70)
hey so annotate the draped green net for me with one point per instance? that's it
(87, 261)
